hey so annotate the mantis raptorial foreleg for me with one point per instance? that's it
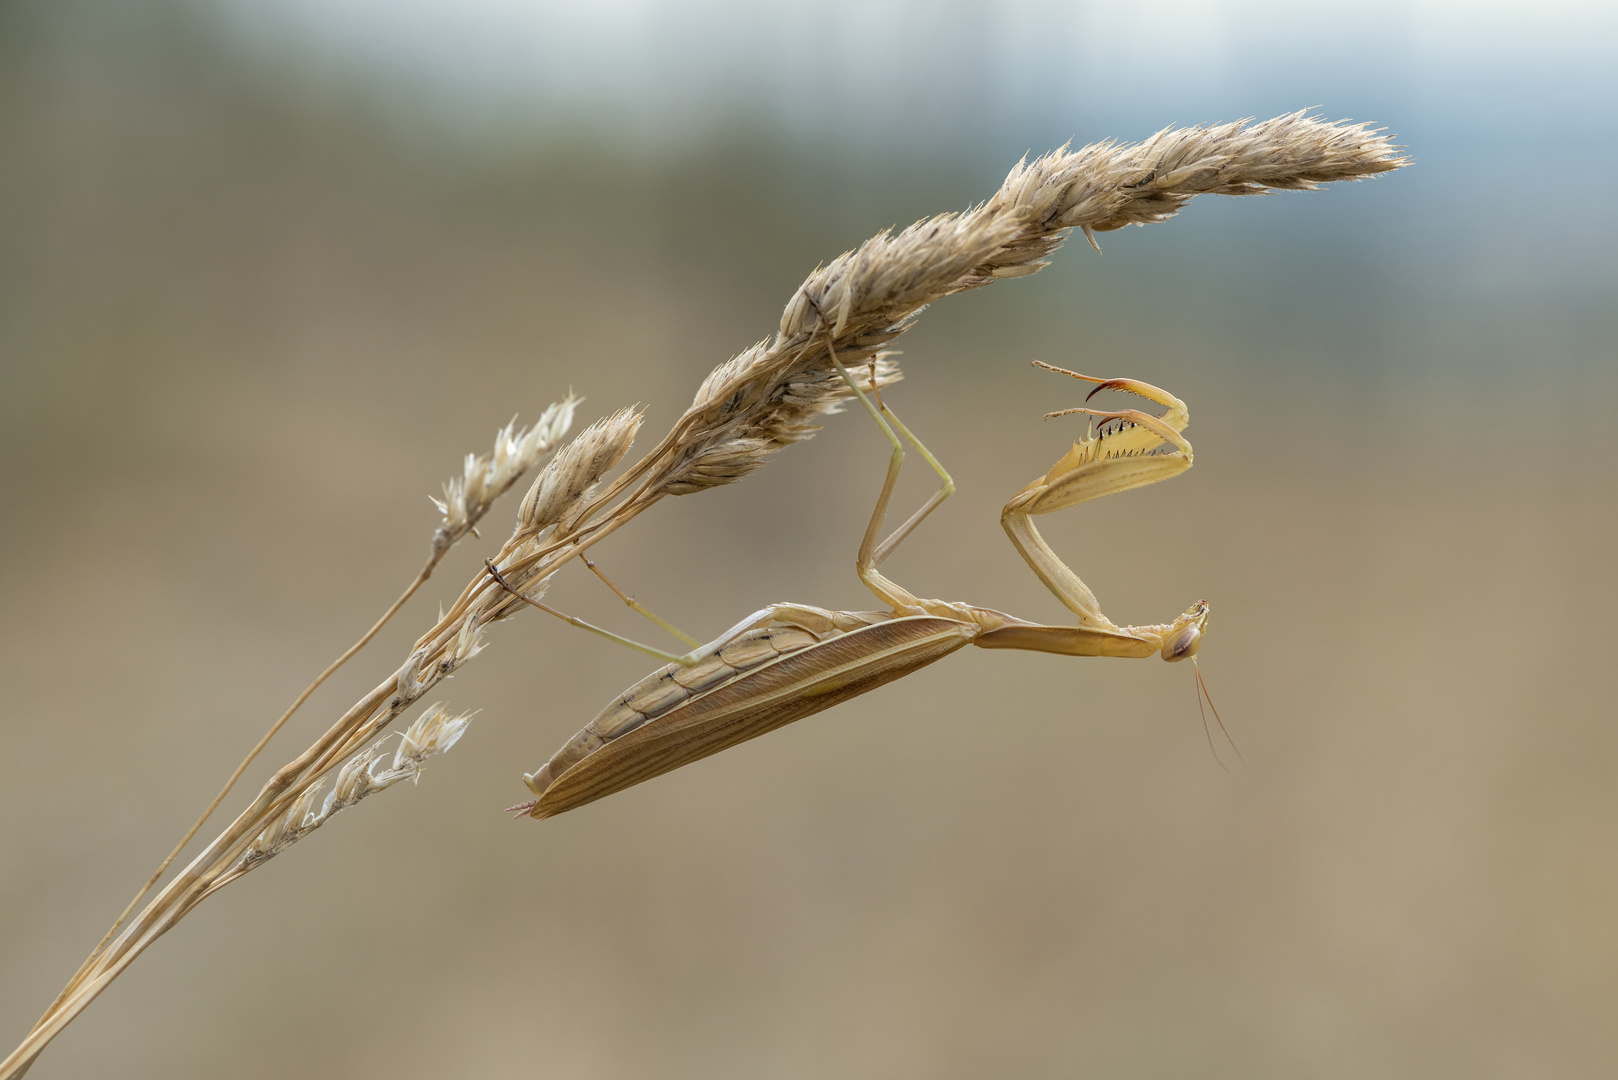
(1142, 449)
(789, 661)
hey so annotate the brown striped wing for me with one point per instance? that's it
(758, 701)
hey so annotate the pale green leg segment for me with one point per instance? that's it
(684, 661)
(872, 554)
(661, 622)
(687, 660)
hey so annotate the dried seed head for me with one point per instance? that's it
(353, 779)
(891, 276)
(1097, 188)
(782, 411)
(300, 819)
(269, 842)
(1107, 186)
(723, 463)
(467, 644)
(303, 816)
(484, 479)
(580, 464)
(732, 378)
(434, 732)
(362, 775)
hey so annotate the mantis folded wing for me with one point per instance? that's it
(789, 661)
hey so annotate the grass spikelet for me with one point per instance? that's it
(566, 481)
(485, 478)
(363, 775)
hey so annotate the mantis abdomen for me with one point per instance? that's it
(623, 746)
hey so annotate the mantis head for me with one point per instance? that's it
(1184, 635)
(1183, 639)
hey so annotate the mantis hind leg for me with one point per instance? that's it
(637, 606)
(686, 660)
(872, 553)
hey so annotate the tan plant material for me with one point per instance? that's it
(485, 478)
(767, 397)
(466, 499)
(434, 732)
(567, 485)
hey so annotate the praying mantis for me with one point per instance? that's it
(789, 661)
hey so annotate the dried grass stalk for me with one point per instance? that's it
(767, 397)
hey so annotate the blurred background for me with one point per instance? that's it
(267, 272)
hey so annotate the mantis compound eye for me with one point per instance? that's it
(1182, 643)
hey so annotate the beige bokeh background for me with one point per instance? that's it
(252, 311)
